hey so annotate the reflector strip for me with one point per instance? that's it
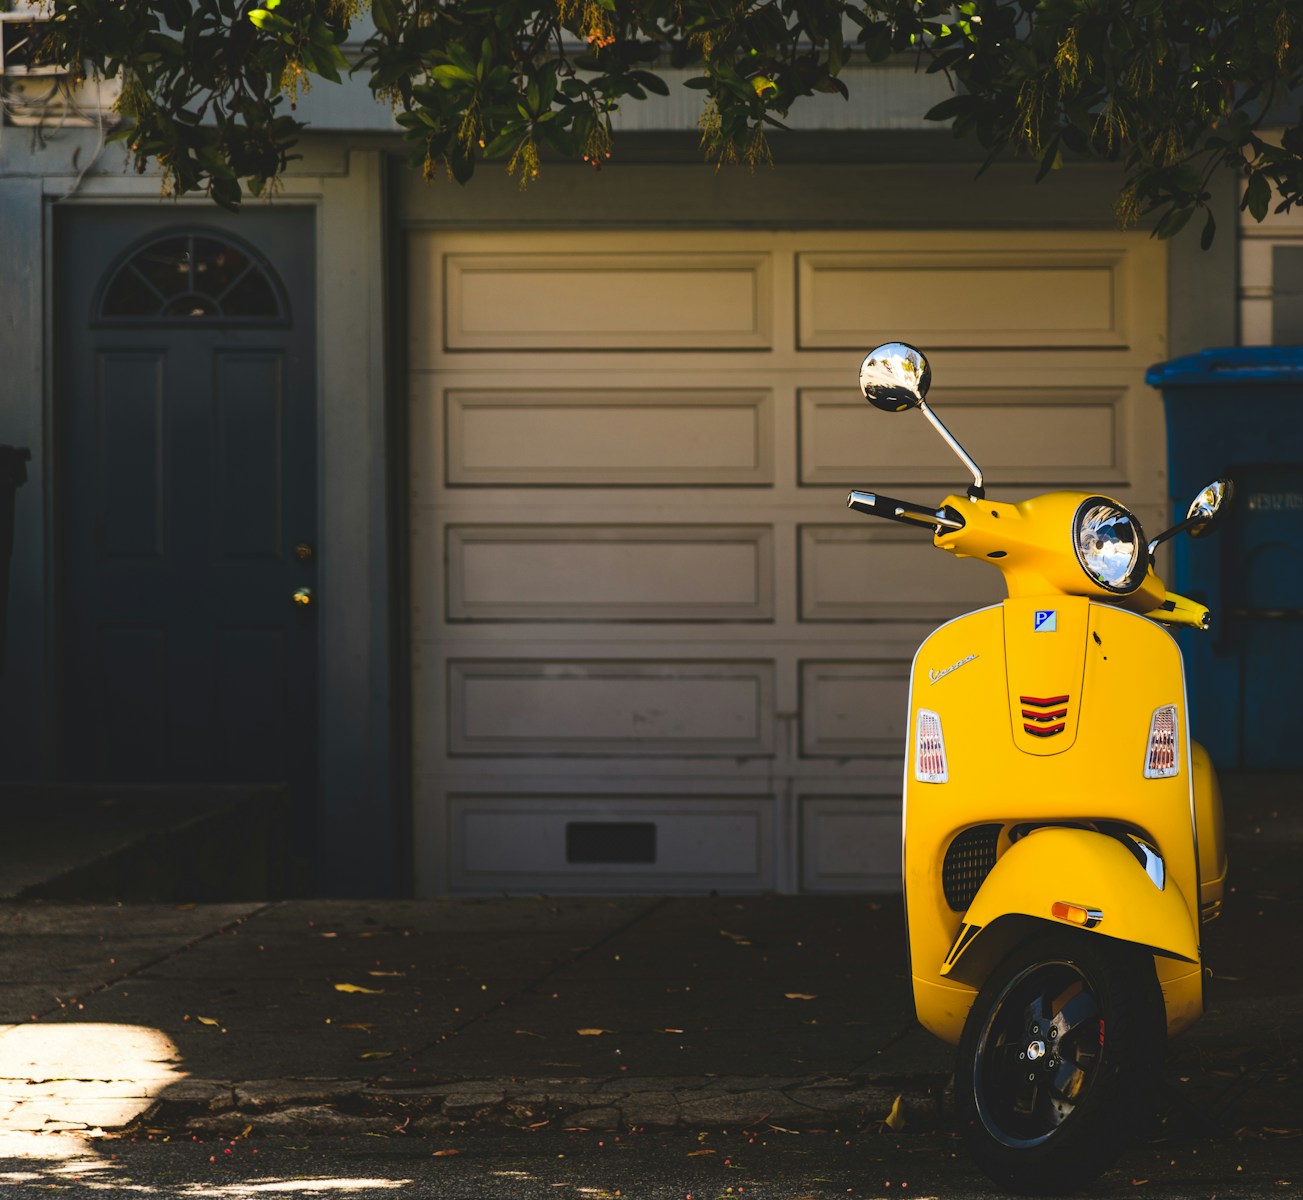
(929, 749)
(1161, 758)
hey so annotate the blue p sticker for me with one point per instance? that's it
(1046, 620)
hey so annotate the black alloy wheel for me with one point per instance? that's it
(1060, 1052)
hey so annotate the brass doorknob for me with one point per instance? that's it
(303, 596)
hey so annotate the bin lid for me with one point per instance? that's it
(1257, 364)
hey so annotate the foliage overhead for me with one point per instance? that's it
(1174, 90)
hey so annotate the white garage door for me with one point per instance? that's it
(652, 650)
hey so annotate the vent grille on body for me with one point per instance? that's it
(969, 859)
(1044, 717)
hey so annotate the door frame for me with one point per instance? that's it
(361, 819)
(126, 231)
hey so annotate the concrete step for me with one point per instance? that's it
(147, 843)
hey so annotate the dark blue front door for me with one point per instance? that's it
(186, 426)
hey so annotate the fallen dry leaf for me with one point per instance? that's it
(669, 1031)
(208, 1021)
(447, 1152)
(697, 1153)
(328, 935)
(800, 996)
(389, 974)
(895, 1119)
(364, 991)
(781, 1129)
(592, 1032)
(377, 1054)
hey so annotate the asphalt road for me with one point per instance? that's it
(759, 1164)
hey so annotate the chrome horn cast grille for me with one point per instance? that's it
(1044, 718)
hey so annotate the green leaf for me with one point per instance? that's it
(450, 73)
(951, 106)
(653, 83)
(1257, 195)
(385, 15)
(270, 22)
(1209, 232)
(1173, 221)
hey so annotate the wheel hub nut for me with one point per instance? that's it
(1035, 1050)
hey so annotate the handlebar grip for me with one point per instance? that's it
(903, 511)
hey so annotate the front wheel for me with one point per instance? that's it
(1061, 1047)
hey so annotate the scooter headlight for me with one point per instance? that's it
(1110, 545)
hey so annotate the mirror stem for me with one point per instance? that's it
(976, 491)
(1171, 533)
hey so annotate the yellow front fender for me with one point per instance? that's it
(1079, 867)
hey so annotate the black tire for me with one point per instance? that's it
(1060, 1056)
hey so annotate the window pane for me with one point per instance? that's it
(251, 297)
(166, 265)
(217, 266)
(191, 306)
(130, 296)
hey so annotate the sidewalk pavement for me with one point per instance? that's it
(794, 1011)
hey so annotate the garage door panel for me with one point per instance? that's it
(962, 298)
(577, 842)
(606, 301)
(850, 843)
(610, 573)
(609, 437)
(881, 572)
(1052, 436)
(854, 709)
(651, 650)
(602, 707)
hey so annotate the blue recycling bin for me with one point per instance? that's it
(1238, 412)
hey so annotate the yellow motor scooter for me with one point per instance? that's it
(1062, 833)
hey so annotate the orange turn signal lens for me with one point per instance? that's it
(1076, 914)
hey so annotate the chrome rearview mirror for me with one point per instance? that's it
(1209, 506)
(895, 377)
(1204, 514)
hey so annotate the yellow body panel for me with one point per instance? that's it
(1212, 834)
(1182, 988)
(1116, 668)
(1089, 870)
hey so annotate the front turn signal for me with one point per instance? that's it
(1161, 756)
(1076, 914)
(929, 749)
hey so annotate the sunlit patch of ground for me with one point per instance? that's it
(74, 1076)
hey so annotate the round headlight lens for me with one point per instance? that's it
(1110, 545)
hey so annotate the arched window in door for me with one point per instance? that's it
(192, 276)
